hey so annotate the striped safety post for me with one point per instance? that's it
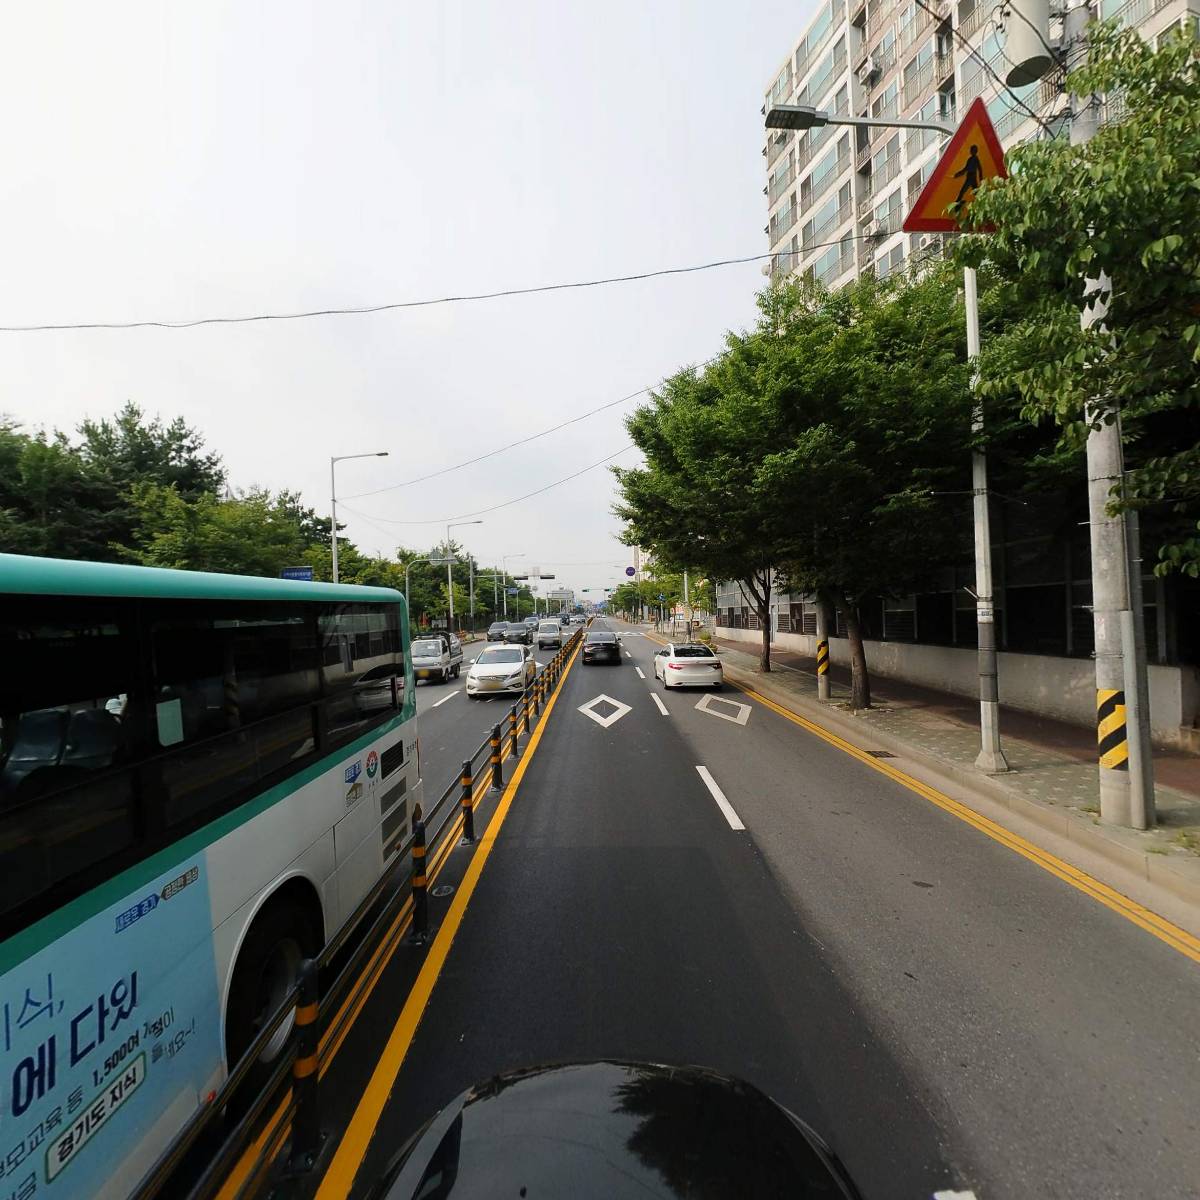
(537, 695)
(420, 884)
(1112, 737)
(306, 1124)
(525, 703)
(497, 765)
(823, 657)
(512, 731)
(468, 802)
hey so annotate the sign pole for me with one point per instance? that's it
(991, 757)
(973, 154)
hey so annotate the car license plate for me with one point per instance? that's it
(422, 674)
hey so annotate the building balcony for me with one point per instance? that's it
(780, 184)
(775, 147)
(971, 21)
(886, 171)
(782, 223)
(917, 83)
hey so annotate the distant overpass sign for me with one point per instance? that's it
(302, 573)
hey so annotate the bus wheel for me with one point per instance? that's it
(282, 936)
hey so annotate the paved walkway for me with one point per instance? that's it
(1052, 762)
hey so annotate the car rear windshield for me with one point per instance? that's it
(499, 656)
(691, 652)
(549, 626)
(602, 637)
(427, 647)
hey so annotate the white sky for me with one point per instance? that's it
(171, 160)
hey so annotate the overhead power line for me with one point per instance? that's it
(391, 306)
(479, 512)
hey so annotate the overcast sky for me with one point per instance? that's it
(170, 161)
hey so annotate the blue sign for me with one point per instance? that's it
(304, 573)
(105, 1031)
(354, 770)
(631, 571)
(513, 591)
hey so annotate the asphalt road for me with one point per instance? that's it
(946, 1013)
(451, 726)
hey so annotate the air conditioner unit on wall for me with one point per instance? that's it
(869, 68)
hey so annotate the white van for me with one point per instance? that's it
(549, 633)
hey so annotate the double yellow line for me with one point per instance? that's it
(261, 1152)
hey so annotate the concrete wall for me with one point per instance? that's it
(1064, 688)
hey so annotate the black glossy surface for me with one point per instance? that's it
(610, 1129)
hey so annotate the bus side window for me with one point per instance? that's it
(235, 684)
(69, 736)
(362, 667)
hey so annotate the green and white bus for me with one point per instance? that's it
(201, 776)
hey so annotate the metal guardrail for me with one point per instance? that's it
(311, 1007)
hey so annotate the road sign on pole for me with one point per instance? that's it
(973, 155)
(631, 571)
(303, 573)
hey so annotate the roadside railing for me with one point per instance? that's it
(322, 1015)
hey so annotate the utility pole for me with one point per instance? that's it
(1126, 764)
(991, 757)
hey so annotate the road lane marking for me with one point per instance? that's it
(639, 672)
(627, 654)
(739, 718)
(1178, 939)
(662, 708)
(348, 1156)
(589, 710)
(444, 699)
(735, 822)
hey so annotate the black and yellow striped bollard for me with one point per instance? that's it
(823, 657)
(497, 765)
(512, 731)
(468, 803)
(306, 1124)
(1112, 737)
(420, 885)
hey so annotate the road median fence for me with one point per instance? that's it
(233, 1143)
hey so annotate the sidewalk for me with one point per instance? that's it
(1053, 778)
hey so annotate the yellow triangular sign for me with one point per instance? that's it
(973, 155)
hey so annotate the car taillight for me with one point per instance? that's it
(675, 666)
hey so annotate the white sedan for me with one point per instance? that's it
(501, 669)
(688, 664)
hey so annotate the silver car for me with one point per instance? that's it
(499, 670)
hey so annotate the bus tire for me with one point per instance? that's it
(284, 933)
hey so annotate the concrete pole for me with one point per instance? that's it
(1122, 724)
(333, 514)
(991, 757)
(822, 650)
(471, 576)
(449, 585)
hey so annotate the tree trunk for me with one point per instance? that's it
(764, 619)
(860, 679)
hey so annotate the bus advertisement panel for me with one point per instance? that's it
(107, 1034)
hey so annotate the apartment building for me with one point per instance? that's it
(837, 195)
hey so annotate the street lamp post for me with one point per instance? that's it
(333, 499)
(449, 566)
(991, 757)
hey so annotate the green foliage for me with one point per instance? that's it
(818, 445)
(1123, 204)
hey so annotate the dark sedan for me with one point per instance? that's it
(614, 1130)
(522, 633)
(496, 630)
(601, 647)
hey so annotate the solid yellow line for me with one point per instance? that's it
(349, 1155)
(1175, 937)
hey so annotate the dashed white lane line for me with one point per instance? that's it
(662, 708)
(640, 675)
(735, 822)
(444, 699)
(627, 654)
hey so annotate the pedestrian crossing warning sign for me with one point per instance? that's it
(973, 155)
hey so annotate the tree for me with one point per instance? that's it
(698, 500)
(244, 535)
(1130, 193)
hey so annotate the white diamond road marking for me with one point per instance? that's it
(743, 710)
(588, 710)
